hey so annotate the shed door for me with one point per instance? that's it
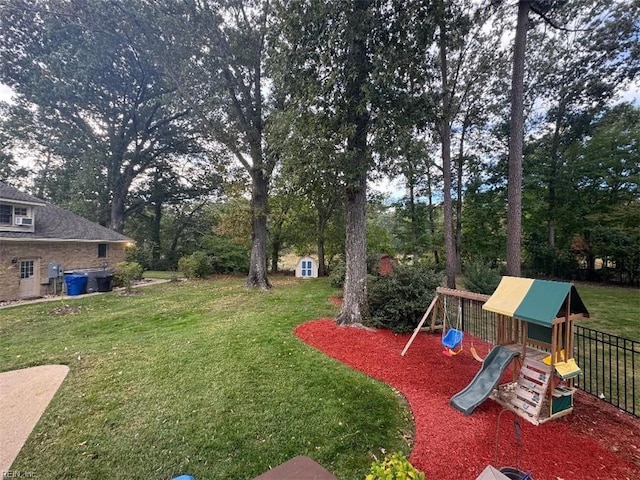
(307, 268)
(29, 279)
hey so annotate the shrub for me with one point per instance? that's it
(196, 265)
(338, 273)
(126, 273)
(226, 255)
(399, 301)
(481, 278)
(394, 467)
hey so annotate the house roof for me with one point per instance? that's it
(54, 223)
(536, 301)
(11, 194)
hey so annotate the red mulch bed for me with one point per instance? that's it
(596, 441)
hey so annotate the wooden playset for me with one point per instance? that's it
(536, 318)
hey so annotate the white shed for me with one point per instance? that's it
(307, 267)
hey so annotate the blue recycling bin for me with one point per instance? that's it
(76, 284)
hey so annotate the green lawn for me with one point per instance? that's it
(613, 310)
(199, 377)
(163, 275)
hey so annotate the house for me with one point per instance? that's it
(307, 267)
(39, 240)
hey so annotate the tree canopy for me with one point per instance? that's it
(260, 126)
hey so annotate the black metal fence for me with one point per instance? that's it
(610, 368)
(610, 364)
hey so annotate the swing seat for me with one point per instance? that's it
(474, 352)
(452, 339)
(451, 353)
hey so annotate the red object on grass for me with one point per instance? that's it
(595, 442)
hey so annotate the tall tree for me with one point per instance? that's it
(217, 64)
(307, 145)
(600, 172)
(82, 73)
(444, 130)
(324, 51)
(449, 85)
(592, 58)
(516, 140)
(414, 162)
(357, 161)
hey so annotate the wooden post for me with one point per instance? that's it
(524, 338)
(568, 331)
(501, 329)
(568, 335)
(417, 329)
(437, 308)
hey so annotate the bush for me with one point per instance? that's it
(399, 301)
(394, 467)
(227, 256)
(338, 273)
(480, 278)
(126, 273)
(196, 265)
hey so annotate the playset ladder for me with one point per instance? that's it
(531, 388)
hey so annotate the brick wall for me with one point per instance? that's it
(70, 255)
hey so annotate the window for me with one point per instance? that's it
(307, 266)
(20, 211)
(6, 214)
(26, 269)
(102, 250)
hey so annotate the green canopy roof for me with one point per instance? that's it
(536, 301)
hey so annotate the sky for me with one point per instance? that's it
(5, 93)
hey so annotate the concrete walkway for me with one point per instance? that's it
(52, 298)
(24, 396)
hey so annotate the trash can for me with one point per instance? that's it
(92, 281)
(105, 283)
(95, 279)
(76, 284)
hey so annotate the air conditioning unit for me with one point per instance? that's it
(23, 221)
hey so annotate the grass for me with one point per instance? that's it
(608, 370)
(163, 275)
(200, 377)
(613, 310)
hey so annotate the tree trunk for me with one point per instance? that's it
(355, 307)
(449, 245)
(516, 140)
(322, 269)
(275, 254)
(414, 220)
(432, 221)
(445, 138)
(460, 172)
(258, 267)
(553, 171)
(156, 245)
(117, 215)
